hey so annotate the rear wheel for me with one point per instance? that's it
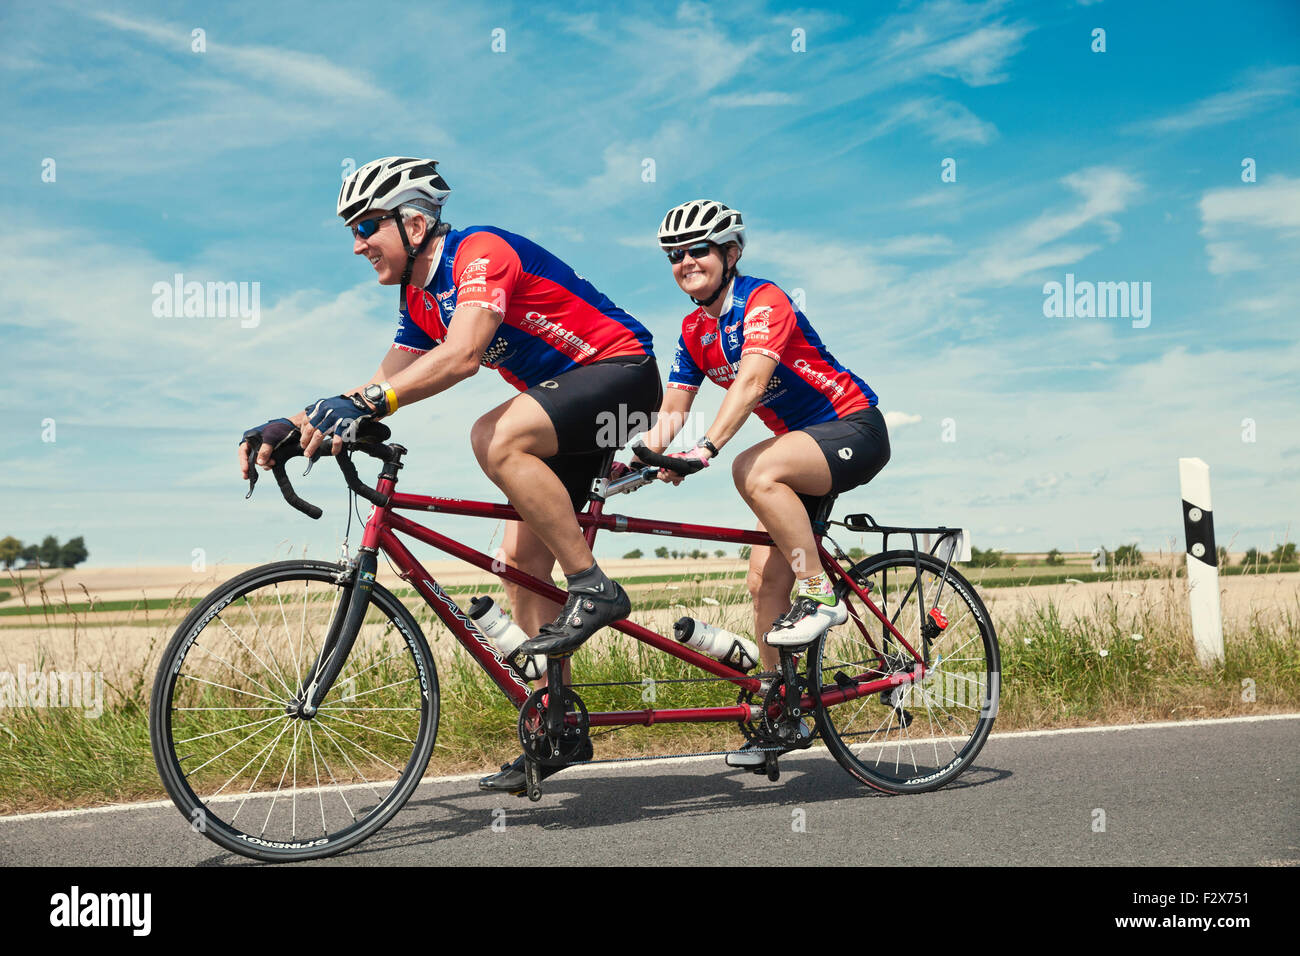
(239, 762)
(918, 736)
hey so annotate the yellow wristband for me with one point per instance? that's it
(390, 397)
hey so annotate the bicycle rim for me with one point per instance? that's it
(921, 735)
(261, 781)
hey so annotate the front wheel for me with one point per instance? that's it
(920, 735)
(240, 761)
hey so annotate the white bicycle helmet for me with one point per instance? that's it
(387, 183)
(701, 219)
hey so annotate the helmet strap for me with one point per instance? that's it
(728, 273)
(412, 253)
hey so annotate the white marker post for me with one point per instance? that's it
(1202, 560)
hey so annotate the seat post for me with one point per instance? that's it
(596, 496)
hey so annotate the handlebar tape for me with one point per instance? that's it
(286, 489)
(680, 466)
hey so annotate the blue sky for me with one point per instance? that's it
(224, 165)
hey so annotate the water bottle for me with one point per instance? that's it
(504, 634)
(740, 652)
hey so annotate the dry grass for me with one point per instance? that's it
(1112, 661)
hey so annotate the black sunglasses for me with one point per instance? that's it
(368, 227)
(698, 251)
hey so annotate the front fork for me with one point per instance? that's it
(342, 634)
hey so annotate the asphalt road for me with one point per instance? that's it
(1199, 794)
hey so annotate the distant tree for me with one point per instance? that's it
(696, 554)
(73, 552)
(1251, 557)
(11, 549)
(719, 553)
(1054, 557)
(49, 552)
(633, 554)
(744, 552)
(985, 559)
(31, 554)
(676, 554)
(1128, 554)
(1284, 553)
(661, 552)
(857, 554)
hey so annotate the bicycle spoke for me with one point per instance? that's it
(932, 726)
(242, 750)
(270, 648)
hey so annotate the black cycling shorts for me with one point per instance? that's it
(596, 409)
(856, 448)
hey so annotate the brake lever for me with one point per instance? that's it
(253, 445)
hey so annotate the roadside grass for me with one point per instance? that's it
(983, 577)
(1110, 663)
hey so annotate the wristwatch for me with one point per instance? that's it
(382, 397)
(705, 443)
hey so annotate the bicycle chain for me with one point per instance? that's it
(702, 753)
(666, 680)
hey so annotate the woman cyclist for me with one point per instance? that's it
(829, 436)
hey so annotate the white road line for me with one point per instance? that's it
(637, 765)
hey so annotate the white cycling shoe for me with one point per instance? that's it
(751, 756)
(807, 620)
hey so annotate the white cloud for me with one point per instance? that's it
(942, 120)
(622, 166)
(307, 71)
(895, 419)
(977, 58)
(1272, 204)
(733, 100)
(1230, 257)
(1259, 91)
(917, 245)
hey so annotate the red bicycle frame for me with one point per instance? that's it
(384, 524)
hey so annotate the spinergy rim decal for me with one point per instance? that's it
(934, 776)
(282, 846)
(199, 626)
(415, 653)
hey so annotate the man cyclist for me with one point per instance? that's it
(747, 336)
(482, 296)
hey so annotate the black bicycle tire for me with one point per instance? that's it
(905, 561)
(187, 801)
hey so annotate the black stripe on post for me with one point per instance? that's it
(1198, 525)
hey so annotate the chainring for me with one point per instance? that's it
(767, 731)
(538, 744)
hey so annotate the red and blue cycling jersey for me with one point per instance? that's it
(807, 386)
(552, 319)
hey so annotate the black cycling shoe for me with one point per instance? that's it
(512, 778)
(584, 614)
